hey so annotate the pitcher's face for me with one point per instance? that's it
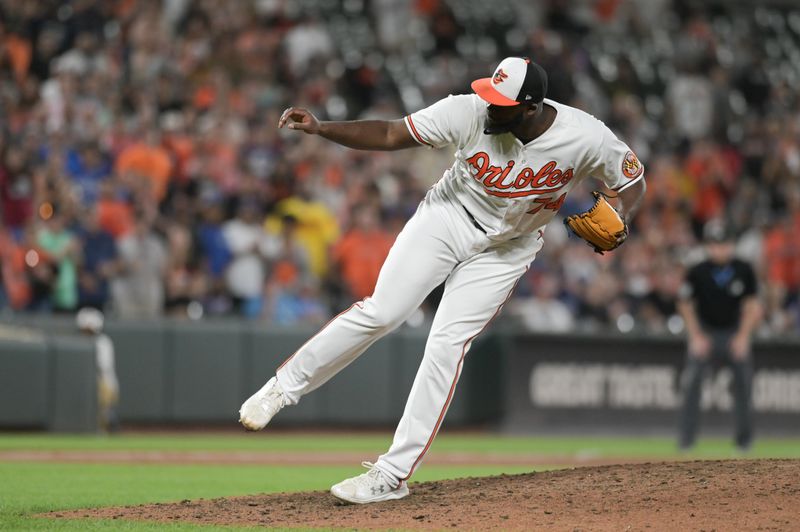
(501, 119)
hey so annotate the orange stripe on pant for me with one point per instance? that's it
(358, 304)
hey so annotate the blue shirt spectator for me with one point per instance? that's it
(99, 263)
(212, 241)
(87, 166)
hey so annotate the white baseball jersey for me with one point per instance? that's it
(513, 188)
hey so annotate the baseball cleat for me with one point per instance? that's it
(371, 486)
(262, 406)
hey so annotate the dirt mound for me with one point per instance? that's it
(702, 495)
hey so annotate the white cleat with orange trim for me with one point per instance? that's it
(372, 486)
(262, 406)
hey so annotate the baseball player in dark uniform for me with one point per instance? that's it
(720, 307)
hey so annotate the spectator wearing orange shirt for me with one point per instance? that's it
(782, 254)
(114, 215)
(15, 290)
(15, 50)
(713, 173)
(782, 245)
(147, 160)
(360, 253)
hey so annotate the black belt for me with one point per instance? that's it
(474, 221)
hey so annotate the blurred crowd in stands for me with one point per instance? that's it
(141, 170)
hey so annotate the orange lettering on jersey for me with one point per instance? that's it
(496, 177)
(549, 178)
(480, 162)
(554, 178)
(524, 178)
(540, 179)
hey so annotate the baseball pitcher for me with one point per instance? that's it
(518, 154)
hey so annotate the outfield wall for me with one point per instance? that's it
(47, 381)
(174, 373)
(177, 372)
(190, 373)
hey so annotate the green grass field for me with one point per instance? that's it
(28, 488)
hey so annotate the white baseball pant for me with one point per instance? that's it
(438, 243)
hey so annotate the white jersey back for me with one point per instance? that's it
(512, 188)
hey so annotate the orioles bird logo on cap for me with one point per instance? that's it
(499, 77)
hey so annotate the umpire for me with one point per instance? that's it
(720, 307)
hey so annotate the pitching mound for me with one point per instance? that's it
(708, 495)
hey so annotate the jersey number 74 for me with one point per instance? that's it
(548, 203)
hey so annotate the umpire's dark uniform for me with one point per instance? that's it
(715, 291)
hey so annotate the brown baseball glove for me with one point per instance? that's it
(601, 226)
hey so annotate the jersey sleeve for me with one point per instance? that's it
(614, 163)
(448, 121)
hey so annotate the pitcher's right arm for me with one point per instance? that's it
(357, 134)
